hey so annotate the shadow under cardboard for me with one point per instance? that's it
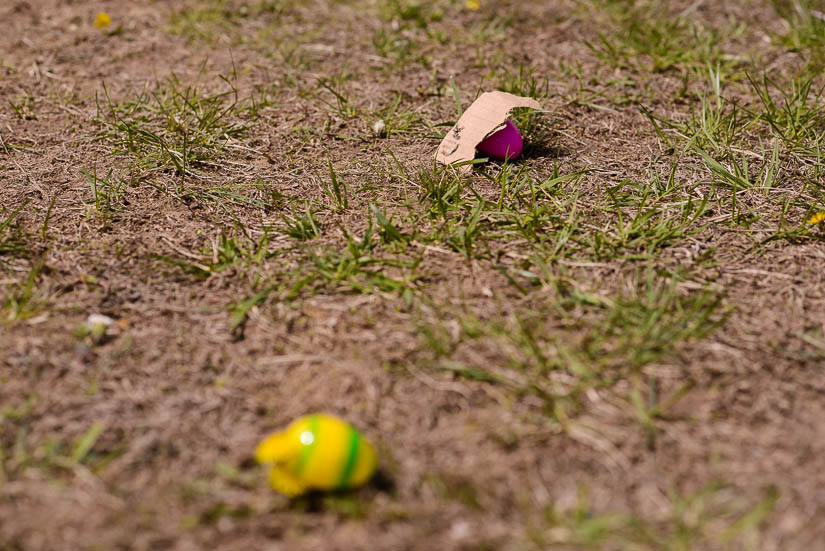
(536, 151)
(543, 151)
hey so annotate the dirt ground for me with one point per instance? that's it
(615, 342)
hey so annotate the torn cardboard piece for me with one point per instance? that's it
(484, 117)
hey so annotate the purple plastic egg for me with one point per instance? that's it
(506, 144)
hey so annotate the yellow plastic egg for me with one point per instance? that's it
(317, 452)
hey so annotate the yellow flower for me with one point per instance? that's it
(817, 218)
(473, 5)
(102, 20)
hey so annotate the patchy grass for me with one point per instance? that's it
(805, 29)
(613, 342)
(650, 37)
(580, 340)
(171, 128)
(710, 517)
(11, 240)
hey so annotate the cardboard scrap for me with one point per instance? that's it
(484, 117)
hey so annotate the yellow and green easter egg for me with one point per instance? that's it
(317, 452)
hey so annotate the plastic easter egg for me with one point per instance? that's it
(506, 144)
(317, 452)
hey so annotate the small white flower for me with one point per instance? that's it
(98, 319)
(95, 327)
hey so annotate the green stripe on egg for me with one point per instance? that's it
(352, 458)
